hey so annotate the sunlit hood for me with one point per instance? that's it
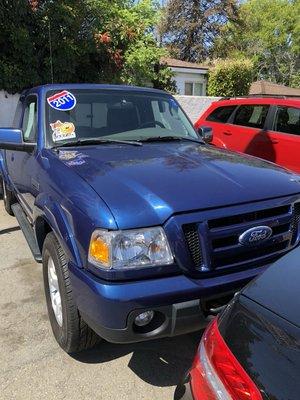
(145, 185)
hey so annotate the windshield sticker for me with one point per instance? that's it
(62, 101)
(62, 131)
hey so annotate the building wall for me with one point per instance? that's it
(8, 104)
(182, 77)
(193, 106)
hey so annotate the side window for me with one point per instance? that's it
(221, 114)
(287, 119)
(253, 116)
(29, 124)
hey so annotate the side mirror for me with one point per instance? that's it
(12, 139)
(206, 133)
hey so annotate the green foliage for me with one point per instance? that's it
(189, 27)
(295, 81)
(230, 78)
(268, 32)
(79, 41)
(18, 59)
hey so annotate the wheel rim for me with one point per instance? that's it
(54, 292)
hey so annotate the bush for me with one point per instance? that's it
(230, 78)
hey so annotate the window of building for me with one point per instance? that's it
(188, 89)
(193, 88)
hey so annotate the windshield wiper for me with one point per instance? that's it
(82, 142)
(168, 138)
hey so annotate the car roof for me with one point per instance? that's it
(89, 86)
(278, 288)
(288, 101)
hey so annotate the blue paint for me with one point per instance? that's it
(115, 186)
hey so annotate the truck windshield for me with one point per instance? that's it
(113, 115)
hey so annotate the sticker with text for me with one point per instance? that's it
(62, 101)
(63, 131)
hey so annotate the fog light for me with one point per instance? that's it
(144, 318)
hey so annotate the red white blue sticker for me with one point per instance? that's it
(62, 101)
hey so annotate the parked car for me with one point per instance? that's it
(143, 230)
(268, 128)
(252, 350)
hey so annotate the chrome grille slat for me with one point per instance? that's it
(240, 248)
(280, 220)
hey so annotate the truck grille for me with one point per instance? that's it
(222, 248)
(193, 242)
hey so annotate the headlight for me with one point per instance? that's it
(130, 249)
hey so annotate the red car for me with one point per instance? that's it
(264, 127)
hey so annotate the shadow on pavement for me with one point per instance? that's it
(161, 362)
(9, 230)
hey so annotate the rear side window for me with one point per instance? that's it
(29, 124)
(253, 116)
(221, 114)
(287, 120)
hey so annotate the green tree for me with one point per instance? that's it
(268, 32)
(80, 41)
(18, 58)
(189, 28)
(230, 78)
(131, 42)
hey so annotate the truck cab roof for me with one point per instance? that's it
(88, 86)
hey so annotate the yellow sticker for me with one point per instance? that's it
(62, 131)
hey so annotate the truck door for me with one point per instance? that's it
(21, 165)
(246, 131)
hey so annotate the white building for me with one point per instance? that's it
(191, 78)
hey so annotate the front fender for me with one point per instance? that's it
(61, 223)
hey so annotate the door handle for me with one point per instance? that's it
(12, 157)
(227, 133)
(274, 141)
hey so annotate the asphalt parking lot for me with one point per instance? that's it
(32, 366)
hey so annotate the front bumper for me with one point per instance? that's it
(111, 307)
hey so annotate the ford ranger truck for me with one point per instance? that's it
(143, 230)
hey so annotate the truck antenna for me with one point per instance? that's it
(50, 48)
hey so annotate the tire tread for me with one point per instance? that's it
(79, 335)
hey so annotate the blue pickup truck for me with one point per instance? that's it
(143, 229)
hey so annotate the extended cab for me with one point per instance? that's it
(143, 230)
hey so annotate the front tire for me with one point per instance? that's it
(8, 198)
(70, 331)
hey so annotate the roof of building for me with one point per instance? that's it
(173, 62)
(270, 88)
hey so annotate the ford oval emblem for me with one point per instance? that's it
(255, 235)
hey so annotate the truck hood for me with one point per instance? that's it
(145, 185)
